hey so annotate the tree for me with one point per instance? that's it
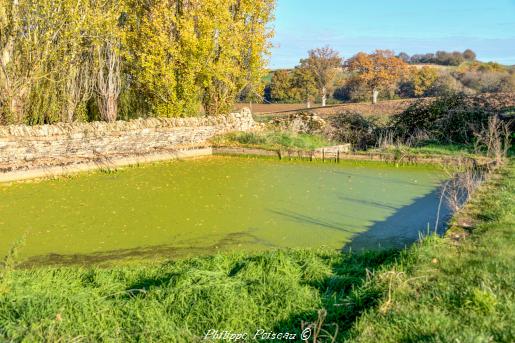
(423, 79)
(323, 64)
(280, 86)
(404, 56)
(378, 71)
(149, 58)
(304, 85)
(24, 48)
(188, 54)
(469, 55)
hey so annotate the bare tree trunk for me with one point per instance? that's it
(375, 94)
(109, 81)
(324, 96)
(79, 86)
(308, 104)
(7, 84)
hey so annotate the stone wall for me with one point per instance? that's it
(28, 147)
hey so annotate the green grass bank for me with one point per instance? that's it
(440, 290)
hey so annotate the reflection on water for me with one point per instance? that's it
(184, 208)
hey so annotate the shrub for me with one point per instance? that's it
(361, 131)
(453, 118)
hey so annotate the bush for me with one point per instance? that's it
(449, 119)
(361, 131)
(445, 84)
(488, 82)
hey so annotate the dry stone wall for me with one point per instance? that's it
(27, 147)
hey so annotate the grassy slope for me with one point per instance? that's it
(444, 291)
(182, 300)
(434, 291)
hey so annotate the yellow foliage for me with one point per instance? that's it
(423, 79)
(153, 57)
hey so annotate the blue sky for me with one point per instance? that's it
(413, 26)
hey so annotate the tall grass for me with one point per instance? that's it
(180, 301)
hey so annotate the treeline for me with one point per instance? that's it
(324, 76)
(77, 60)
(444, 58)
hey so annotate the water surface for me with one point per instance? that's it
(201, 206)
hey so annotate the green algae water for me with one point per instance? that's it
(195, 207)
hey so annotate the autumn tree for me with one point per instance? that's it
(190, 53)
(423, 79)
(237, 49)
(68, 60)
(323, 64)
(378, 71)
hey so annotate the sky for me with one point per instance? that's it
(412, 26)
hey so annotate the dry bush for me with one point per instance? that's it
(495, 138)
(315, 332)
(463, 181)
(386, 139)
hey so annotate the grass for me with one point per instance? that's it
(275, 140)
(182, 300)
(440, 290)
(272, 140)
(431, 149)
(448, 291)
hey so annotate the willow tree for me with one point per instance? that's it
(66, 69)
(43, 77)
(22, 54)
(67, 60)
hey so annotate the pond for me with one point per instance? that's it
(195, 207)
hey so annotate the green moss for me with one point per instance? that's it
(203, 206)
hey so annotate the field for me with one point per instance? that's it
(389, 107)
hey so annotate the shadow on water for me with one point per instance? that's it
(190, 248)
(305, 219)
(384, 179)
(369, 203)
(345, 294)
(405, 226)
(402, 228)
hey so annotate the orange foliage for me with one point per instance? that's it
(379, 71)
